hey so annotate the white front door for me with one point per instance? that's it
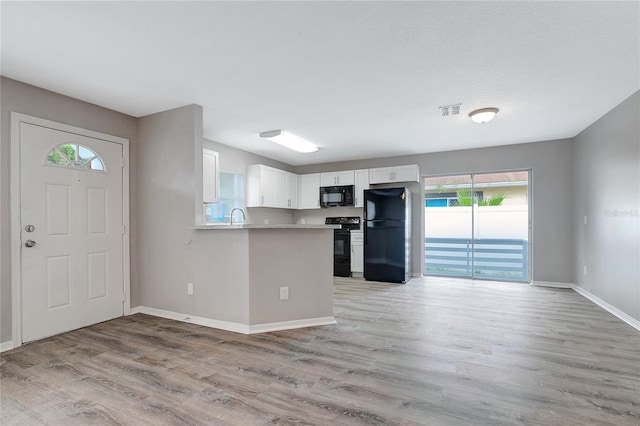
(71, 208)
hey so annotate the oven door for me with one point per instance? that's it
(341, 253)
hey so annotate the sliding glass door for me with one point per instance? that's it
(477, 226)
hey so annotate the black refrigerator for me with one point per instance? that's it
(387, 235)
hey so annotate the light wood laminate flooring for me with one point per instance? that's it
(435, 351)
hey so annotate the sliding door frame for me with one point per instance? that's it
(530, 202)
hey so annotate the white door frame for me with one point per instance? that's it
(16, 228)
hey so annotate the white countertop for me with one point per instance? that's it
(224, 226)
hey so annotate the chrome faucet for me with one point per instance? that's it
(233, 211)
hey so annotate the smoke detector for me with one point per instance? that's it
(448, 110)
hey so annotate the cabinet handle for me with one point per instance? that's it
(262, 200)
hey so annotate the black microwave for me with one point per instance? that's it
(333, 196)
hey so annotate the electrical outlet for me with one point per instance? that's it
(266, 221)
(585, 269)
(190, 289)
(585, 220)
(284, 293)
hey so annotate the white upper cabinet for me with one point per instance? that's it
(210, 172)
(281, 188)
(261, 186)
(410, 173)
(291, 190)
(362, 183)
(271, 187)
(309, 191)
(337, 178)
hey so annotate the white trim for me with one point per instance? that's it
(6, 346)
(607, 307)
(233, 326)
(16, 243)
(207, 322)
(595, 299)
(289, 325)
(552, 284)
(16, 227)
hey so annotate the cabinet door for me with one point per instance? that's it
(345, 177)
(268, 187)
(328, 179)
(357, 253)
(292, 191)
(281, 189)
(362, 183)
(309, 191)
(210, 181)
(409, 173)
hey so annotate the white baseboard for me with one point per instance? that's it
(552, 284)
(234, 326)
(289, 325)
(207, 322)
(6, 346)
(607, 307)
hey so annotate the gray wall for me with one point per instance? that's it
(552, 175)
(607, 191)
(166, 203)
(171, 253)
(30, 100)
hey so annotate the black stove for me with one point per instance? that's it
(347, 222)
(342, 243)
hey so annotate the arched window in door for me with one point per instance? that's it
(75, 156)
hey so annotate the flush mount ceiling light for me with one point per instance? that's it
(289, 140)
(483, 115)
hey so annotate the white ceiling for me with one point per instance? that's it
(360, 79)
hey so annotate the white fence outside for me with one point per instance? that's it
(508, 222)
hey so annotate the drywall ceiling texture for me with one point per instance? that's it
(361, 79)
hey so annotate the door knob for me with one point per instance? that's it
(29, 243)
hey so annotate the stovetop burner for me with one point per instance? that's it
(347, 222)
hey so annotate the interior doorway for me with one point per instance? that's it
(477, 225)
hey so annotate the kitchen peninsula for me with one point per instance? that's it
(267, 277)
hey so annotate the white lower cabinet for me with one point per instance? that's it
(357, 253)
